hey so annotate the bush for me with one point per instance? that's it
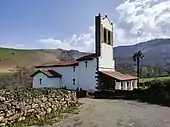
(20, 78)
(158, 92)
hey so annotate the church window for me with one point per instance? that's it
(40, 80)
(86, 63)
(74, 81)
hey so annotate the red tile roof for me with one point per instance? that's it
(87, 57)
(119, 76)
(48, 73)
(72, 62)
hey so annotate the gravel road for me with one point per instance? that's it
(118, 113)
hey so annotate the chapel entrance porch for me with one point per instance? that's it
(113, 80)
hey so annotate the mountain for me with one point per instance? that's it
(155, 52)
(10, 58)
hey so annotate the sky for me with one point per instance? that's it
(69, 24)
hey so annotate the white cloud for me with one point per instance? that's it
(15, 46)
(82, 42)
(142, 20)
(138, 21)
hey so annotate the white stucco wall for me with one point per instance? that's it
(84, 76)
(67, 75)
(46, 82)
(106, 60)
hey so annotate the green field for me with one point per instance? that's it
(142, 80)
(9, 53)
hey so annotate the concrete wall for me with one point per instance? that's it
(84, 76)
(45, 82)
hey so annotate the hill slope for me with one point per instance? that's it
(155, 52)
(9, 58)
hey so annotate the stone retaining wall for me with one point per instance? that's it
(20, 104)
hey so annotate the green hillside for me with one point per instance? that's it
(10, 58)
(9, 53)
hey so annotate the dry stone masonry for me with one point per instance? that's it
(20, 104)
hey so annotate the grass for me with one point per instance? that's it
(142, 80)
(9, 53)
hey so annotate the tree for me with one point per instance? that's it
(137, 56)
(167, 68)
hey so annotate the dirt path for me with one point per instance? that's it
(118, 113)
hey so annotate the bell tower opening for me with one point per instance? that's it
(105, 39)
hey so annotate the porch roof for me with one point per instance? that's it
(119, 76)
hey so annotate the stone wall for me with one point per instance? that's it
(20, 104)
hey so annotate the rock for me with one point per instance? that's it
(35, 105)
(8, 113)
(28, 107)
(49, 110)
(35, 100)
(3, 121)
(13, 111)
(3, 107)
(2, 113)
(48, 104)
(43, 113)
(14, 117)
(37, 116)
(2, 99)
(14, 103)
(50, 100)
(42, 105)
(31, 110)
(52, 106)
(21, 119)
(44, 99)
(1, 118)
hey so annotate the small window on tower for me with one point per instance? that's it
(74, 81)
(109, 38)
(86, 63)
(40, 81)
(105, 35)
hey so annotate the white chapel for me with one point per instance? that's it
(91, 72)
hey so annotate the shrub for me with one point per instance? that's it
(158, 92)
(20, 78)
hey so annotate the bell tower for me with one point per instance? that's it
(104, 42)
